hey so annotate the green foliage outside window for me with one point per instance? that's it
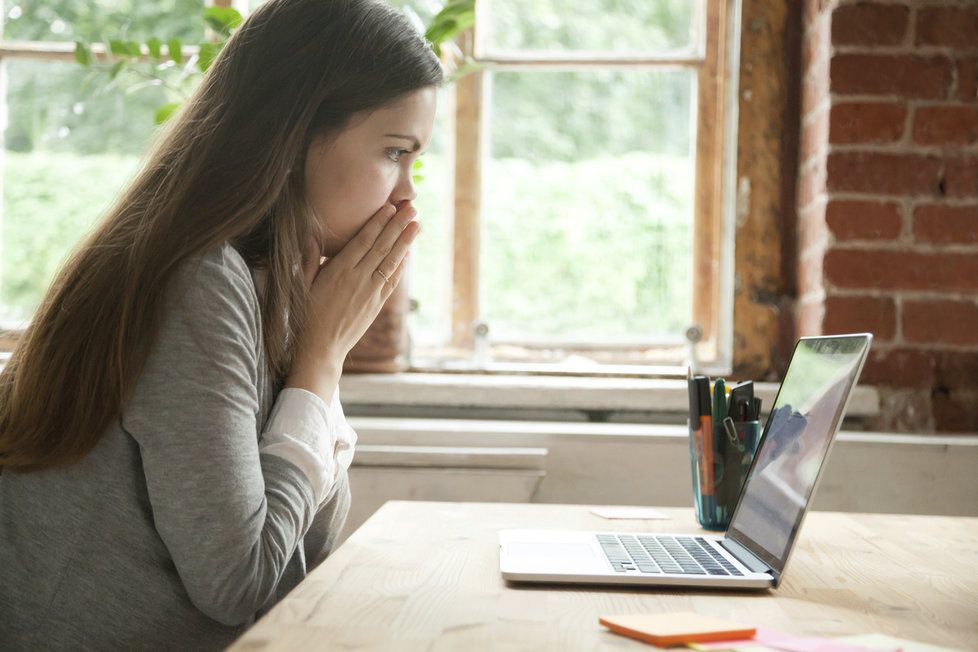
(589, 178)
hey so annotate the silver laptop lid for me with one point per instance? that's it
(799, 433)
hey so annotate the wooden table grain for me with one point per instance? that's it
(425, 576)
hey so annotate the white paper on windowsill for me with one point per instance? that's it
(629, 513)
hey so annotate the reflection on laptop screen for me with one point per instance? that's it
(799, 431)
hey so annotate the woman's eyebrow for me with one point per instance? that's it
(412, 139)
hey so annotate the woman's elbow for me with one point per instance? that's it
(230, 606)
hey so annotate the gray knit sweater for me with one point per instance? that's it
(174, 532)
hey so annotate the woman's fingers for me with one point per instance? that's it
(396, 278)
(311, 260)
(391, 265)
(348, 293)
(365, 238)
(391, 232)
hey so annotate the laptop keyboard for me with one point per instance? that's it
(664, 554)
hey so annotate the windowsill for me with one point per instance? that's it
(528, 392)
(579, 393)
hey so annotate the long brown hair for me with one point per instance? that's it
(229, 168)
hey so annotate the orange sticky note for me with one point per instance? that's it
(676, 628)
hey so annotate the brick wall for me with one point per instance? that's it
(887, 198)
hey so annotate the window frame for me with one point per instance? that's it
(714, 59)
(716, 104)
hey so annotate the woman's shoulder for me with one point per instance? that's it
(222, 261)
(218, 278)
(221, 264)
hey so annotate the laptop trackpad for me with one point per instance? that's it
(553, 557)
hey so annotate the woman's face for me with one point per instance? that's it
(351, 175)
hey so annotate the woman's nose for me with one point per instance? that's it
(405, 190)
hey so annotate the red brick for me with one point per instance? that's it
(957, 369)
(954, 27)
(899, 368)
(863, 220)
(901, 270)
(868, 23)
(890, 174)
(946, 125)
(946, 224)
(891, 74)
(961, 177)
(876, 315)
(967, 80)
(941, 322)
(954, 410)
(867, 122)
(903, 410)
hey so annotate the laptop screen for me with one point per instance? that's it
(796, 441)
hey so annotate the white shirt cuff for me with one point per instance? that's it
(313, 436)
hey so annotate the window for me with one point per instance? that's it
(572, 195)
(69, 145)
(588, 191)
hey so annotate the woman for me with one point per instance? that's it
(173, 449)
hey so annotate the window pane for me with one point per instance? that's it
(68, 150)
(423, 10)
(588, 206)
(593, 25)
(431, 257)
(68, 20)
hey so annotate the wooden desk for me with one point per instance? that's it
(425, 576)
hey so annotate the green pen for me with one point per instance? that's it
(719, 401)
(719, 449)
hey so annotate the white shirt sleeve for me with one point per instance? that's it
(312, 435)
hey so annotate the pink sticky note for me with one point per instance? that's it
(790, 643)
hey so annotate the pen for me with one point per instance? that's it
(719, 401)
(718, 449)
(706, 434)
(696, 430)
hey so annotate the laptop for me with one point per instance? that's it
(780, 485)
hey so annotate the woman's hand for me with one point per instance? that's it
(346, 294)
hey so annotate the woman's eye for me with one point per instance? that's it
(395, 154)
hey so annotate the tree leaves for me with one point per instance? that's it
(223, 20)
(455, 17)
(206, 54)
(83, 53)
(417, 170)
(118, 48)
(164, 112)
(154, 44)
(173, 49)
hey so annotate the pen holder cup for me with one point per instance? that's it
(719, 467)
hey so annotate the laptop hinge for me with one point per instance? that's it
(745, 556)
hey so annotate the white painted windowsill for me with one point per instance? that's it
(547, 392)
